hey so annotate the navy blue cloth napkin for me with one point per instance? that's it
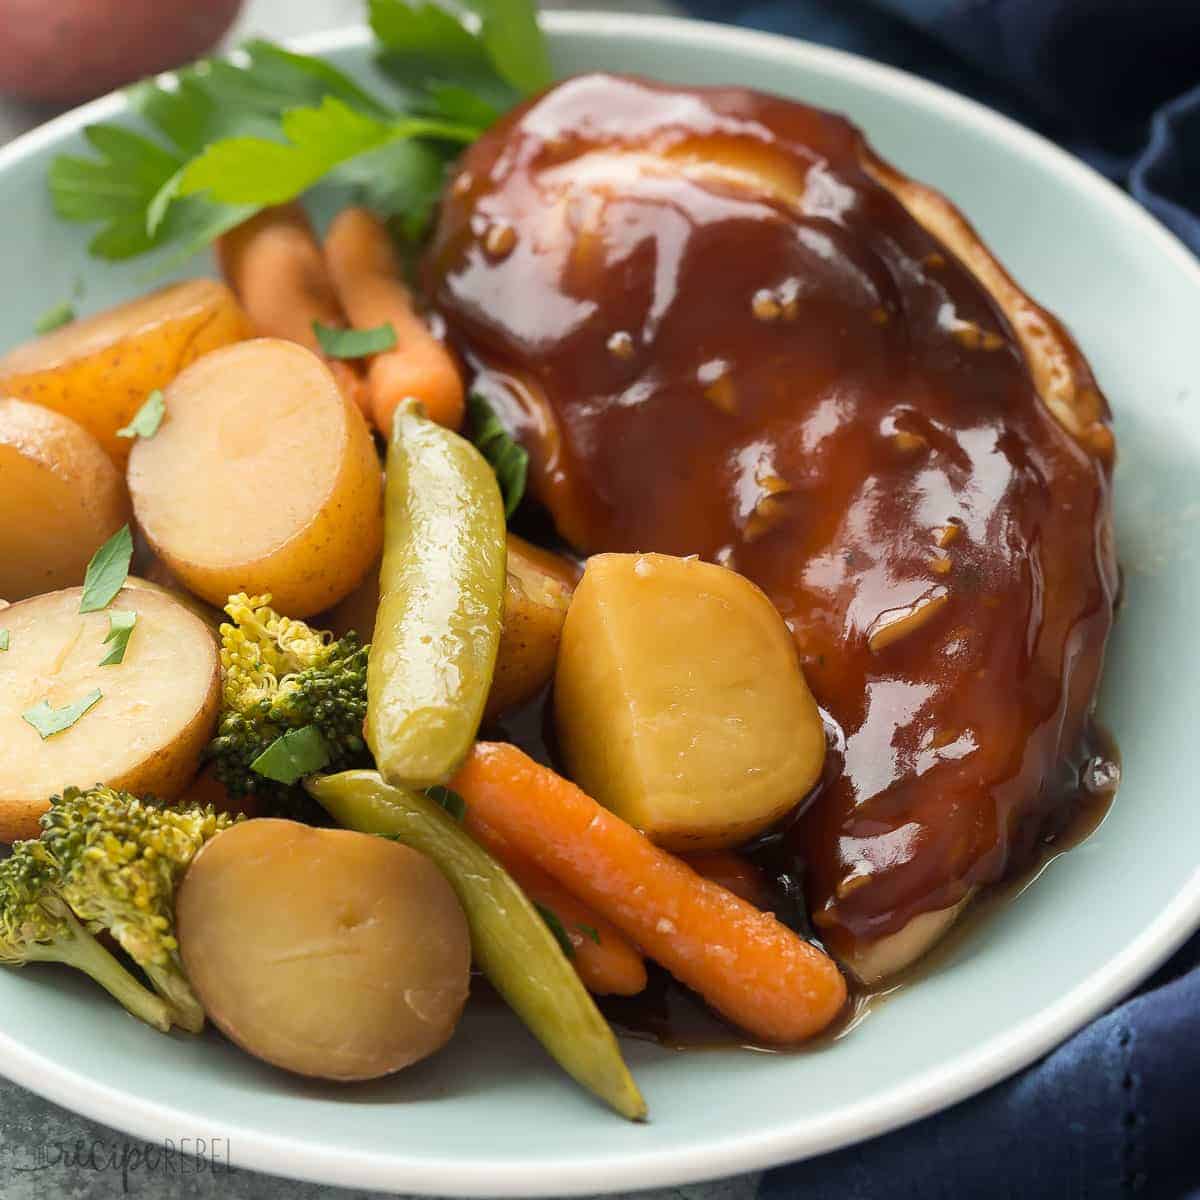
(1111, 1114)
(1116, 82)
(1115, 1111)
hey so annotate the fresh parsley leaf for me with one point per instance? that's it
(590, 931)
(249, 170)
(354, 343)
(513, 39)
(107, 572)
(424, 48)
(456, 102)
(114, 188)
(120, 628)
(420, 30)
(54, 318)
(230, 137)
(215, 98)
(450, 800)
(193, 112)
(293, 755)
(130, 186)
(509, 460)
(49, 721)
(401, 181)
(3, 639)
(425, 45)
(273, 79)
(556, 927)
(147, 419)
(118, 188)
(185, 114)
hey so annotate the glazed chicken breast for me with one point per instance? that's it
(723, 326)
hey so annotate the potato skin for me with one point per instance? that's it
(77, 49)
(537, 592)
(328, 953)
(156, 578)
(99, 370)
(137, 755)
(61, 498)
(680, 703)
(207, 468)
(536, 597)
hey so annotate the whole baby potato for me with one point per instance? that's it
(325, 952)
(64, 51)
(99, 370)
(60, 499)
(680, 703)
(537, 591)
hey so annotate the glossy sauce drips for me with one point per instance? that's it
(719, 334)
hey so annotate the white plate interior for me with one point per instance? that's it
(490, 1115)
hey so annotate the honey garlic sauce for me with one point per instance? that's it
(718, 334)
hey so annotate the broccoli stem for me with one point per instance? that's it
(79, 949)
(169, 984)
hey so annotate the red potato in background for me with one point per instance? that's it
(64, 51)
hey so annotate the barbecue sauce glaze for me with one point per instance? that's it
(718, 334)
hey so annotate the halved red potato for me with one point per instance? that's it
(100, 370)
(262, 478)
(156, 711)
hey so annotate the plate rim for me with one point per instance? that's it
(930, 1091)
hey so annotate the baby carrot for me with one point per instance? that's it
(607, 962)
(367, 277)
(274, 264)
(749, 967)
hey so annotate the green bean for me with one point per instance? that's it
(511, 942)
(440, 605)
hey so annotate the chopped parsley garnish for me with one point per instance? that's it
(557, 928)
(450, 800)
(147, 419)
(54, 318)
(508, 459)
(120, 629)
(293, 755)
(354, 343)
(49, 721)
(107, 572)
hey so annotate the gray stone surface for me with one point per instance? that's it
(48, 1153)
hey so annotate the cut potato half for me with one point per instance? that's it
(157, 710)
(99, 370)
(326, 952)
(60, 498)
(262, 478)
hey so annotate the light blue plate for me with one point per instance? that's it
(490, 1115)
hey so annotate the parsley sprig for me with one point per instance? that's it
(507, 457)
(221, 139)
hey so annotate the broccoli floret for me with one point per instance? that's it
(36, 925)
(118, 861)
(280, 677)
